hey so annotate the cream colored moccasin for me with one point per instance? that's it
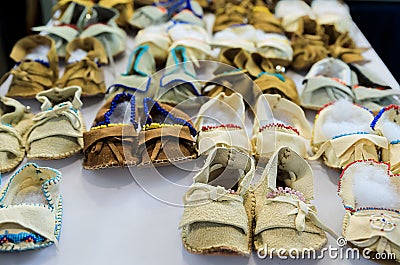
(342, 135)
(221, 122)
(30, 209)
(219, 205)
(15, 121)
(284, 216)
(57, 131)
(279, 122)
(370, 194)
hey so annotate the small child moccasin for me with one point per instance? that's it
(36, 67)
(387, 124)
(30, 209)
(328, 80)
(167, 135)
(15, 121)
(57, 131)
(113, 139)
(84, 59)
(221, 122)
(219, 205)
(342, 135)
(279, 122)
(284, 216)
(370, 194)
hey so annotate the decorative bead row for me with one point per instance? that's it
(225, 126)
(159, 125)
(285, 191)
(20, 237)
(166, 114)
(348, 134)
(108, 125)
(37, 61)
(279, 125)
(121, 96)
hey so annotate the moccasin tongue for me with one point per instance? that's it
(14, 116)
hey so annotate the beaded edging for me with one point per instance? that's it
(125, 96)
(389, 173)
(279, 125)
(166, 114)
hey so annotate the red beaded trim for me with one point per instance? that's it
(392, 106)
(226, 126)
(279, 125)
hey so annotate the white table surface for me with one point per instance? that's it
(122, 216)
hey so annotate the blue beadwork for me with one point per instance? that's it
(272, 74)
(20, 237)
(37, 60)
(166, 114)
(347, 134)
(114, 102)
(377, 117)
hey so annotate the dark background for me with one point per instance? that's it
(378, 20)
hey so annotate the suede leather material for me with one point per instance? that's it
(277, 224)
(57, 130)
(262, 18)
(365, 227)
(13, 127)
(340, 152)
(85, 73)
(31, 203)
(216, 221)
(345, 49)
(31, 77)
(269, 84)
(228, 14)
(166, 145)
(110, 147)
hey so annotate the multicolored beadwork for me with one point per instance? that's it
(284, 192)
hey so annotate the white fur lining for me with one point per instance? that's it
(345, 118)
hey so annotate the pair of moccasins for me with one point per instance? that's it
(231, 13)
(176, 47)
(250, 74)
(225, 213)
(124, 134)
(30, 209)
(318, 31)
(37, 70)
(85, 18)
(277, 122)
(54, 133)
(345, 132)
(162, 11)
(331, 79)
